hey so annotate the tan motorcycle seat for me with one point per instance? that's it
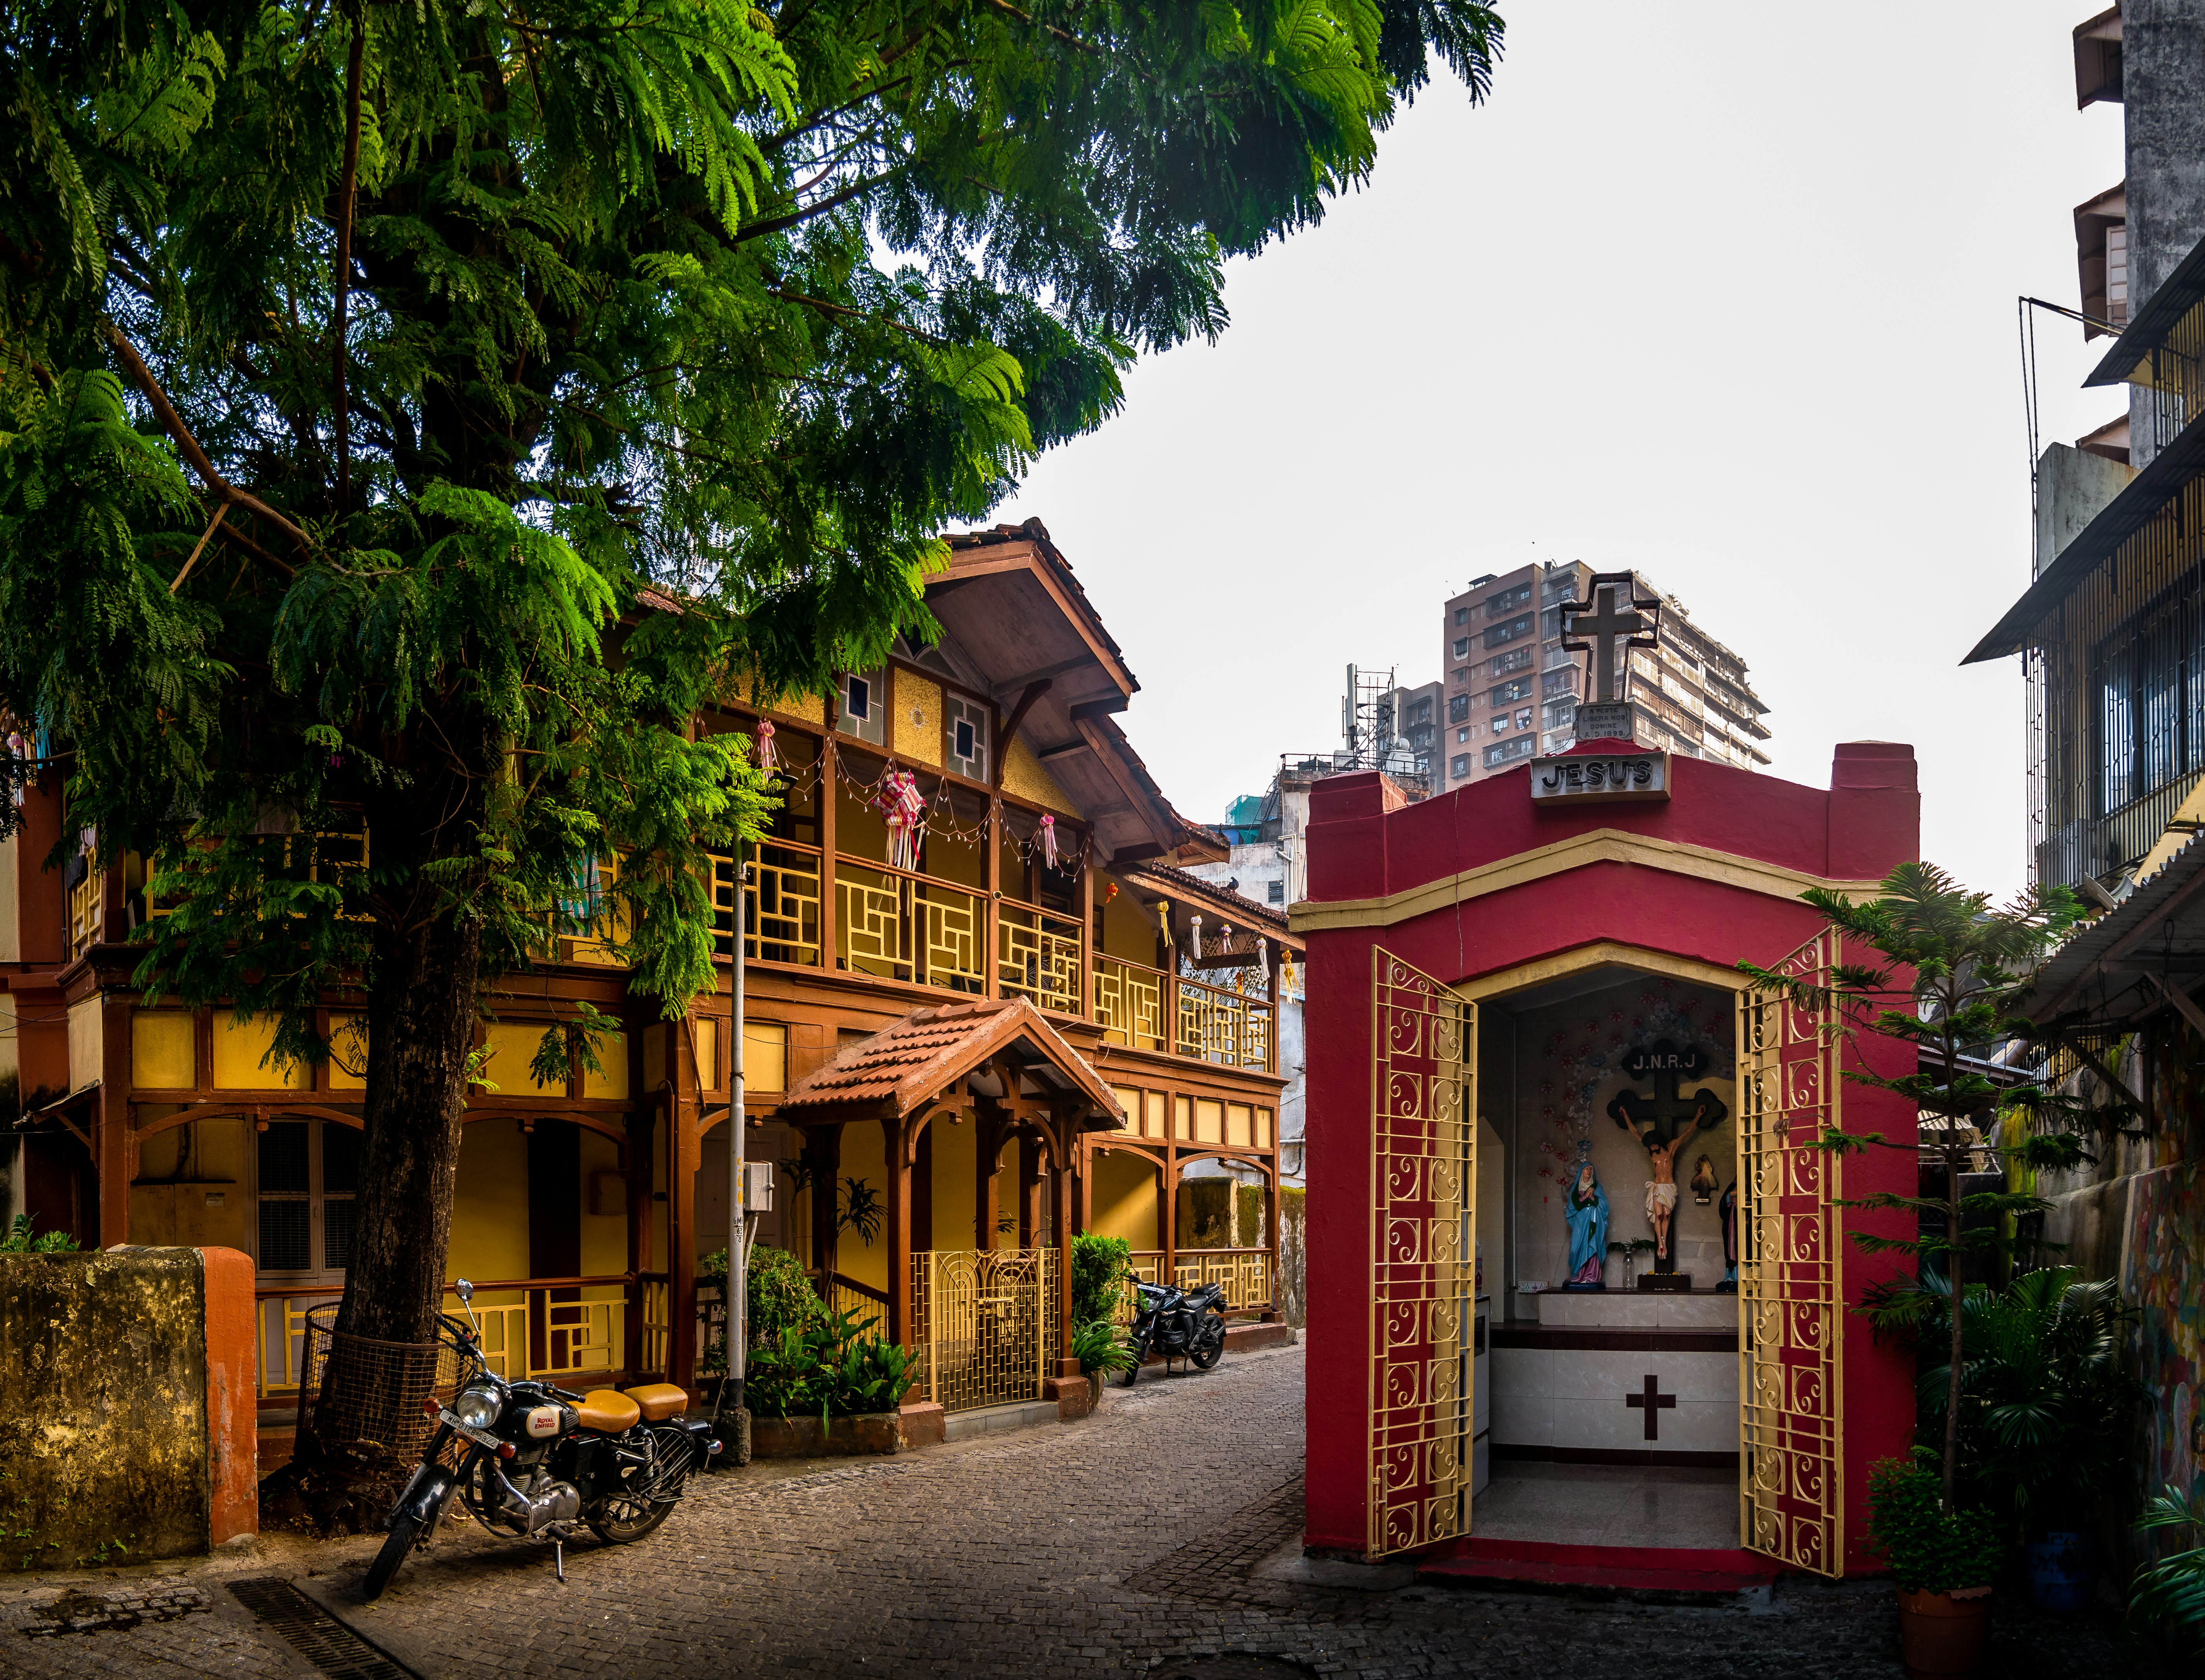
(660, 1401)
(607, 1410)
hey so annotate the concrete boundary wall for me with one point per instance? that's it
(129, 1432)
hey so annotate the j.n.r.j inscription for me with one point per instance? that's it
(1594, 776)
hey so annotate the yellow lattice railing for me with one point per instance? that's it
(1037, 957)
(905, 926)
(525, 1333)
(984, 1323)
(781, 904)
(1245, 1273)
(1219, 1026)
(1147, 1266)
(1129, 1003)
(87, 909)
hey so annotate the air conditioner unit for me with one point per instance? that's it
(758, 1187)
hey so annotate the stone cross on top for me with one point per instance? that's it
(1604, 620)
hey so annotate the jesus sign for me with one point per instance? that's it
(1663, 1122)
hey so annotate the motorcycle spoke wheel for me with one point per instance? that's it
(1208, 1350)
(404, 1530)
(620, 1520)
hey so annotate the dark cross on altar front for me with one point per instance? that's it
(1603, 620)
(1653, 1403)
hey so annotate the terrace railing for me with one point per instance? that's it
(903, 926)
(1037, 956)
(1129, 1003)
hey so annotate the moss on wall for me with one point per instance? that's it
(104, 1436)
(1290, 1293)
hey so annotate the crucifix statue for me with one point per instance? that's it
(1612, 612)
(1663, 1122)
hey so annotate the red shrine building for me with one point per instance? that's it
(1583, 1287)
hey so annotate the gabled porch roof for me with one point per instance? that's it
(902, 1067)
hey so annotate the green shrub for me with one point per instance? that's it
(836, 1367)
(1928, 1551)
(19, 1240)
(1101, 1346)
(781, 1298)
(1099, 1266)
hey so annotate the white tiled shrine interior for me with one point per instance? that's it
(1568, 1373)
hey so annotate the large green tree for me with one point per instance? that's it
(413, 412)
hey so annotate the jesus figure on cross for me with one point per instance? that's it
(1662, 1187)
(1645, 1117)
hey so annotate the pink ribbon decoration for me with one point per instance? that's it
(1047, 835)
(765, 753)
(905, 811)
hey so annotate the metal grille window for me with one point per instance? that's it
(308, 1172)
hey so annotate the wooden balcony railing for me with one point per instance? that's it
(907, 927)
(1215, 1025)
(1037, 956)
(1129, 1003)
(525, 1333)
(1245, 1273)
(781, 904)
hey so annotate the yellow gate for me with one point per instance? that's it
(984, 1323)
(1424, 1249)
(1791, 1305)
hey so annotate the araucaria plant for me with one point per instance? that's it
(1941, 969)
(413, 417)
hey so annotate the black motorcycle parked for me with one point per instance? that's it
(1177, 1325)
(537, 1459)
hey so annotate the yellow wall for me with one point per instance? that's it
(489, 1203)
(512, 1046)
(952, 1186)
(918, 734)
(163, 1053)
(1126, 932)
(860, 831)
(347, 1049)
(604, 1236)
(612, 1059)
(765, 1056)
(1023, 775)
(954, 861)
(201, 1159)
(1125, 1200)
(864, 1157)
(238, 1053)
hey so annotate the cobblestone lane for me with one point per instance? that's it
(1156, 1538)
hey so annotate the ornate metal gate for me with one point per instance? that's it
(984, 1323)
(1791, 1305)
(1424, 1217)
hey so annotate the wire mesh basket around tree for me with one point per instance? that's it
(362, 1396)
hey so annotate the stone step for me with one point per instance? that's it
(1675, 1574)
(993, 1420)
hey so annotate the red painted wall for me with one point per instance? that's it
(232, 1408)
(1363, 842)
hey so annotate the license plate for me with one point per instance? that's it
(480, 1436)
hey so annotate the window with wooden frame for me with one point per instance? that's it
(964, 723)
(863, 714)
(306, 1173)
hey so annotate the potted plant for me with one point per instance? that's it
(1945, 1563)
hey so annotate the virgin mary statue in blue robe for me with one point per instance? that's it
(1585, 1209)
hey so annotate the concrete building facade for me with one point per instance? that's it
(1512, 690)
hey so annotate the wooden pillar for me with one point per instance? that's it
(1087, 934)
(109, 1119)
(991, 964)
(642, 1134)
(831, 788)
(1086, 1183)
(1278, 1017)
(893, 1131)
(1171, 1207)
(1030, 1190)
(825, 1144)
(987, 1148)
(1067, 1141)
(681, 1243)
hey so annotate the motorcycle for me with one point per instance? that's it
(1177, 1325)
(532, 1459)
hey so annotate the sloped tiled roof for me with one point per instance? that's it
(1177, 883)
(904, 1066)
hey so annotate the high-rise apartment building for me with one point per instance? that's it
(1512, 690)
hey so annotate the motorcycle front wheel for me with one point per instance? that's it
(1139, 1350)
(404, 1530)
(1209, 1346)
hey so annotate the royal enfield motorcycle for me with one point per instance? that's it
(1174, 1324)
(531, 1460)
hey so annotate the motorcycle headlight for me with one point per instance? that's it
(477, 1407)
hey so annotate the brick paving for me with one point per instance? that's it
(1154, 1539)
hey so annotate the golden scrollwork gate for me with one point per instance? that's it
(984, 1323)
(1791, 1305)
(1424, 1249)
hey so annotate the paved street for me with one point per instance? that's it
(1158, 1538)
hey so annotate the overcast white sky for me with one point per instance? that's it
(1725, 293)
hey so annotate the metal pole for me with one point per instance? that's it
(732, 1411)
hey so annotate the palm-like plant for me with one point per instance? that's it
(2046, 1411)
(2171, 1593)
